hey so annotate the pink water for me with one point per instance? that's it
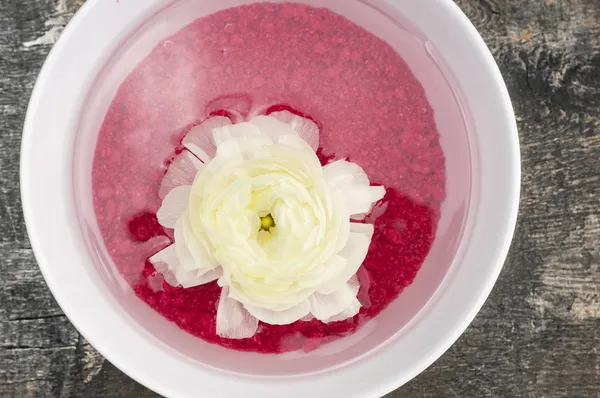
(360, 92)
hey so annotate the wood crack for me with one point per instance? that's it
(33, 318)
(27, 347)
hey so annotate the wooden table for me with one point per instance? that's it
(537, 335)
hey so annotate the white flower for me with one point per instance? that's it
(252, 207)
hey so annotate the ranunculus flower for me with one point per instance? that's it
(252, 206)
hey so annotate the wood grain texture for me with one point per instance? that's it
(537, 335)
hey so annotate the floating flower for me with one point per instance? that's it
(253, 208)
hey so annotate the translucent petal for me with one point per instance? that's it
(325, 306)
(366, 229)
(362, 198)
(165, 259)
(349, 312)
(365, 284)
(234, 131)
(306, 128)
(170, 278)
(272, 127)
(340, 223)
(199, 139)
(236, 117)
(233, 321)
(182, 171)
(284, 317)
(197, 249)
(167, 262)
(349, 178)
(184, 278)
(340, 173)
(354, 253)
(187, 278)
(209, 276)
(186, 260)
(173, 206)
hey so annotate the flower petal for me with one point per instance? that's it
(170, 278)
(191, 266)
(306, 128)
(284, 317)
(209, 276)
(181, 171)
(362, 199)
(167, 263)
(353, 253)
(366, 229)
(165, 259)
(233, 321)
(308, 318)
(183, 278)
(186, 260)
(325, 306)
(272, 127)
(234, 132)
(339, 219)
(187, 279)
(197, 249)
(341, 173)
(173, 206)
(349, 312)
(351, 179)
(199, 140)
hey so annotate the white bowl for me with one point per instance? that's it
(477, 222)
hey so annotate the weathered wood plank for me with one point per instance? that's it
(54, 331)
(23, 368)
(24, 294)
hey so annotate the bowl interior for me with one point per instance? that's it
(417, 46)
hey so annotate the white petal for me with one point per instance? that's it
(362, 199)
(182, 171)
(366, 229)
(233, 321)
(340, 220)
(196, 277)
(199, 139)
(194, 267)
(284, 317)
(349, 178)
(272, 127)
(173, 206)
(197, 249)
(341, 173)
(354, 253)
(306, 128)
(165, 259)
(183, 277)
(209, 276)
(170, 278)
(234, 131)
(325, 306)
(166, 262)
(186, 278)
(308, 318)
(186, 260)
(349, 312)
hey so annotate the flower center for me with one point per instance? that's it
(266, 223)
